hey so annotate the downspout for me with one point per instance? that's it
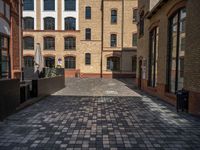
(102, 32)
(122, 34)
(20, 37)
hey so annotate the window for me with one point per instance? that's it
(70, 23)
(49, 43)
(49, 62)
(87, 59)
(70, 43)
(28, 23)
(49, 4)
(113, 40)
(87, 12)
(113, 63)
(176, 53)
(28, 62)
(135, 15)
(141, 24)
(70, 62)
(28, 4)
(153, 57)
(113, 16)
(4, 57)
(28, 43)
(88, 34)
(134, 39)
(70, 5)
(49, 23)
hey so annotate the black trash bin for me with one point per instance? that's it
(182, 100)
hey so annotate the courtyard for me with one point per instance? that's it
(99, 114)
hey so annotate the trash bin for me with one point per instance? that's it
(182, 100)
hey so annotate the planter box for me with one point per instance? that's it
(47, 86)
(9, 97)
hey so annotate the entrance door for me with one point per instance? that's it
(140, 75)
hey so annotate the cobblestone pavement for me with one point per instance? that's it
(99, 116)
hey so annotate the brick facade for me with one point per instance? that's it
(99, 45)
(158, 16)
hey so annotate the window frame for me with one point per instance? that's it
(71, 61)
(32, 47)
(115, 67)
(46, 46)
(71, 46)
(67, 8)
(114, 17)
(30, 4)
(28, 63)
(47, 20)
(134, 39)
(88, 34)
(88, 9)
(48, 60)
(70, 26)
(113, 35)
(48, 3)
(87, 58)
(28, 20)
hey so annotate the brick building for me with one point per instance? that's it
(10, 38)
(168, 49)
(89, 38)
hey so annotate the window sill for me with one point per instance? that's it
(28, 49)
(49, 49)
(70, 50)
(113, 23)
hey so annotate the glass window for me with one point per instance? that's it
(49, 43)
(113, 16)
(87, 59)
(49, 23)
(28, 43)
(49, 4)
(135, 15)
(49, 62)
(87, 12)
(134, 63)
(70, 62)
(113, 40)
(70, 23)
(113, 63)
(88, 34)
(134, 39)
(176, 50)
(70, 5)
(141, 24)
(153, 57)
(28, 23)
(70, 43)
(28, 4)
(4, 57)
(28, 62)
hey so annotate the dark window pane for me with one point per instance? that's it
(70, 5)
(141, 24)
(28, 43)
(88, 12)
(28, 62)
(49, 4)
(28, 23)
(87, 58)
(49, 43)
(113, 16)
(135, 15)
(134, 39)
(113, 40)
(49, 23)
(70, 23)
(70, 43)
(88, 34)
(49, 62)
(113, 63)
(28, 4)
(70, 62)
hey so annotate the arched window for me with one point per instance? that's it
(70, 5)
(49, 61)
(28, 43)
(113, 63)
(87, 34)
(88, 12)
(176, 50)
(28, 23)
(70, 43)
(70, 23)
(28, 61)
(70, 62)
(49, 43)
(49, 5)
(113, 16)
(28, 4)
(113, 40)
(49, 23)
(87, 59)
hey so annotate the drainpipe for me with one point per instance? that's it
(122, 34)
(102, 32)
(20, 41)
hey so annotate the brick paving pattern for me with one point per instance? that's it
(62, 122)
